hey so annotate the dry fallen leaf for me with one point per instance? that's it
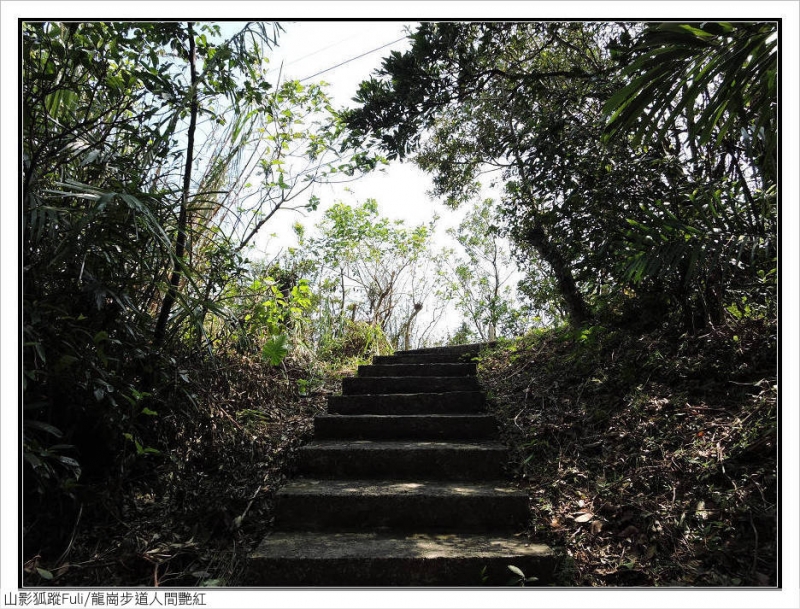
(585, 517)
(62, 569)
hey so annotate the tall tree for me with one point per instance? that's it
(480, 281)
(525, 106)
(183, 214)
(518, 99)
(375, 268)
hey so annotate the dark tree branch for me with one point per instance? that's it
(183, 217)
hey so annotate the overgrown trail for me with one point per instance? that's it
(644, 459)
(402, 486)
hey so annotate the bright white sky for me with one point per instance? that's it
(304, 50)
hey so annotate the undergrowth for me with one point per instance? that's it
(187, 511)
(190, 495)
(651, 459)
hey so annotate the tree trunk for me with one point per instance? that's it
(407, 328)
(574, 303)
(573, 300)
(183, 217)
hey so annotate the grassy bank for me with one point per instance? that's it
(651, 459)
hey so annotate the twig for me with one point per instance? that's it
(755, 549)
(516, 417)
(253, 498)
(708, 408)
(580, 393)
(234, 421)
(66, 552)
(516, 372)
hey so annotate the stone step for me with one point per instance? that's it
(408, 384)
(401, 486)
(458, 349)
(390, 426)
(403, 459)
(314, 504)
(353, 559)
(408, 403)
(422, 358)
(417, 370)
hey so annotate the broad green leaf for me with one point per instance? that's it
(276, 349)
(44, 573)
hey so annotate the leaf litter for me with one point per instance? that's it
(189, 516)
(650, 460)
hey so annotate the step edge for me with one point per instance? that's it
(443, 538)
(433, 415)
(395, 444)
(503, 487)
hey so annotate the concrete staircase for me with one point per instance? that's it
(403, 485)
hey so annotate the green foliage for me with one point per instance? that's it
(702, 247)
(278, 309)
(357, 341)
(48, 461)
(372, 269)
(518, 577)
(134, 239)
(713, 86)
(141, 450)
(719, 77)
(464, 335)
(683, 207)
(264, 314)
(275, 348)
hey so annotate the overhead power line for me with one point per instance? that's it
(338, 65)
(317, 52)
